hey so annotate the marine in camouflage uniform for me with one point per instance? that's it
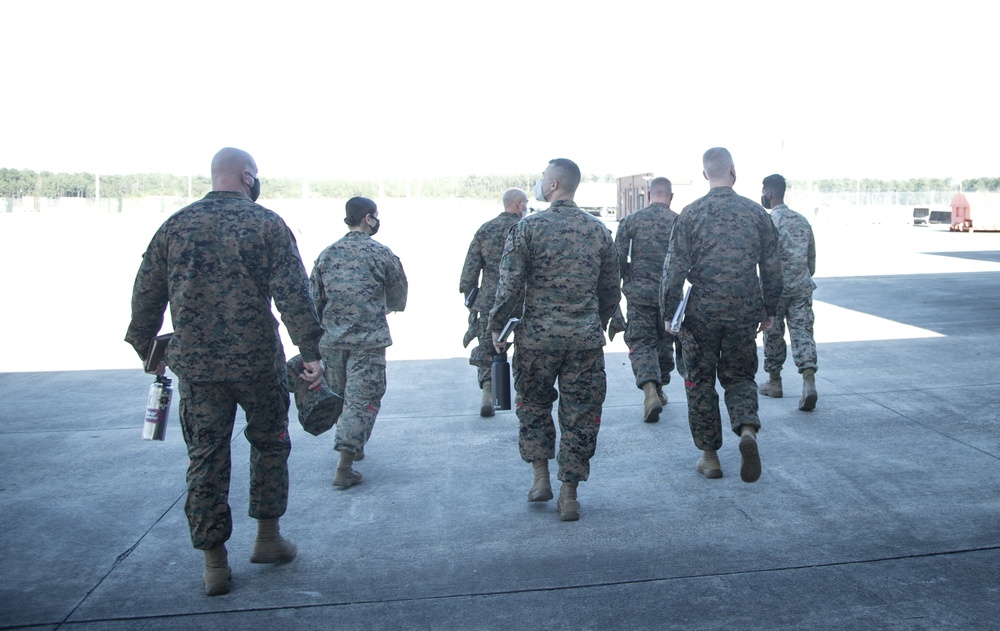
(798, 262)
(718, 244)
(641, 245)
(482, 270)
(562, 261)
(218, 263)
(356, 281)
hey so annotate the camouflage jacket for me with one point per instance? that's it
(562, 261)
(218, 263)
(355, 282)
(646, 234)
(798, 250)
(717, 244)
(484, 256)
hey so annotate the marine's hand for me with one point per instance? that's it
(766, 325)
(160, 369)
(313, 373)
(497, 344)
(617, 324)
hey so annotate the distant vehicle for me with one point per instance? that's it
(926, 216)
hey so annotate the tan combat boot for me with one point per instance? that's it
(486, 407)
(709, 465)
(651, 406)
(662, 395)
(270, 546)
(569, 508)
(217, 572)
(809, 396)
(541, 490)
(772, 387)
(346, 476)
(750, 469)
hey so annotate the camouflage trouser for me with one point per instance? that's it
(730, 351)
(482, 354)
(360, 375)
(582, 387)
(208, 412)
(798, 311)
(650, 347)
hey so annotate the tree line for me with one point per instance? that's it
(913, 185)
(18, 183)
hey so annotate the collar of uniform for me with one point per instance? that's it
(780, 207)
(357, 234)
(228, 195)
(563, 203)
(659, 206)
(721, 190)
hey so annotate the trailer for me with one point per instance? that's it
(985, 218)
(633, 191)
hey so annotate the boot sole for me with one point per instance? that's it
(750, 469)
(569, 510)
(542, 495)
(218, 589)
(345, 485)
(342, 483)
(274, 557)
(808, 402)
(711, 474)
(653, 415)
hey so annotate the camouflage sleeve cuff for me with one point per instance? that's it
(310, 353)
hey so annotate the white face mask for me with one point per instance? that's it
(539, 195)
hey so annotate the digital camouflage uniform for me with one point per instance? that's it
(798, 262)
(562, 262)
(484, 256)
(218, 263)
(646, 234)
(356, 281)
(718, 243)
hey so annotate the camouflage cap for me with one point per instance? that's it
(318, 408)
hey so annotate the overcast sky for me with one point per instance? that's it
(369, 89)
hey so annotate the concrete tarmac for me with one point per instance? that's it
(878, 510)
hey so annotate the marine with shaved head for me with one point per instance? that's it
(641, 244)
(718, 244)
(219, 263)
(482, 270)
(561, 263)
